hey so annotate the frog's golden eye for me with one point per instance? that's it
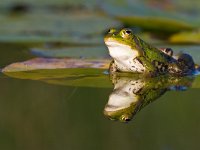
(126, 33)
(125, 118)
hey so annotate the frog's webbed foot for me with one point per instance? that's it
(183, 65)
(175, 69)
(167, 51)
(150, 70)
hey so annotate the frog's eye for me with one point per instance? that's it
(111, 31)
(125, 118)
(126, 33)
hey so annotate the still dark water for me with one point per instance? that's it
(35, 115)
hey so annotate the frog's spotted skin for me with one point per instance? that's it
(132, 54)
(160, 67)
(135, 66)
(186, 65)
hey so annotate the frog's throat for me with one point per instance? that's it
(124, 95)
(120, 51)
(120, 101)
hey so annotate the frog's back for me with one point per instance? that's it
(152, 53)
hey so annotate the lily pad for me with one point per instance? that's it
(75, 52)
(39, 3)
(70, 72)
(53, 63)
(165, 16)
(170, 25)
(189, 37)
(75, 27)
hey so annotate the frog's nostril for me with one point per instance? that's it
(127, 119)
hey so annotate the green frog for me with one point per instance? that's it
(132, 54)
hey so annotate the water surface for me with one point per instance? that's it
(38, 115)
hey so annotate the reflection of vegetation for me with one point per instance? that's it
(131, 94)
(67, 77)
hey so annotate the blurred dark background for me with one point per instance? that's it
(85, 21)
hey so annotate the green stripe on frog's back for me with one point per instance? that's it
(151, 52)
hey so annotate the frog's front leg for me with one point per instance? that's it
(150, 69)
(112, 67)
(112, 72)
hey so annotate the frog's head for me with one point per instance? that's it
(121, 116)
(123, 102)
(122, 44)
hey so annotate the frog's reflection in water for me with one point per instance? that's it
(133, 93)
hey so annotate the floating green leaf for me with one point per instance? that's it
(70, 72)
(157, 23)
(39, 3)
(164, 16)
(75, 52)
(192, 37)
(53, 63)
(74, 27)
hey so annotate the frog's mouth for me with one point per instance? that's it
(121, 51)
